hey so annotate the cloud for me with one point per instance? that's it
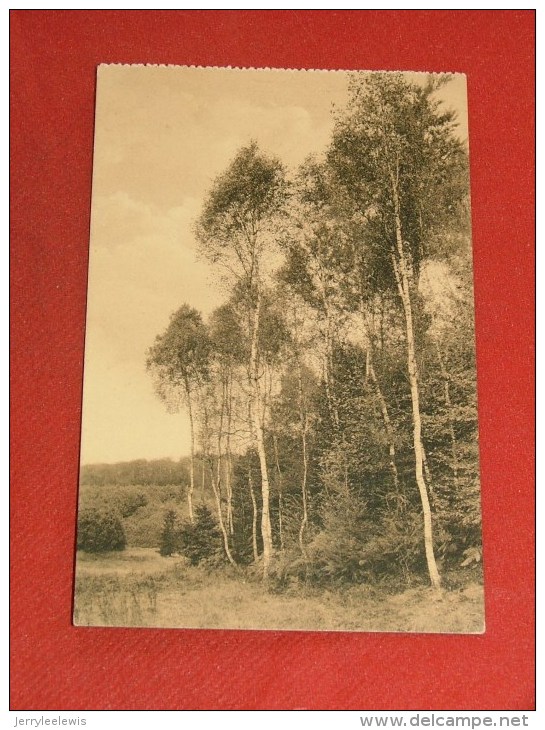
(164, 134)
(143, 265)
(122, 418)
(142, 268)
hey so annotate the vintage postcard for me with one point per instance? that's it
(279, 409)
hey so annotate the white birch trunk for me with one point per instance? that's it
(403, 274)
(254, 515)
(257, 405)
(303, 425)
(192, 455)
(280, 494)
(216, 481)
(385, 417)
(217, 497)
(229, 466)
(448, 402)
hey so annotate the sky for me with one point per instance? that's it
(162, 135)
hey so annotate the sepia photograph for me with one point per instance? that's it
(280, 426)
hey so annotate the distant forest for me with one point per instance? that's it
(161, 472)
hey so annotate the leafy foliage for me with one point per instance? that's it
(243, 202)
(350, 291)
(100, 531)
(170, 537)
(201, 540)
(179, 358)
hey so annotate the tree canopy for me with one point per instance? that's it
(334, 389)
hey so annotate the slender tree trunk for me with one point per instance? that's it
(333, 404)
(370, 374)
(331, 398)
(327, 383)
(328, 369)
(381, 325)
(192, 455)
(281, 518)
(229, 466)
(280, 493)
(448, 402)
(403, 274)
(266, 531)
(303, 425)
(254, 514)
(385, 417)
(225, 468)
(216, 487)
(216, 483)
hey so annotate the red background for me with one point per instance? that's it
(57, 666)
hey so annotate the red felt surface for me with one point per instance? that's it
(57, 666)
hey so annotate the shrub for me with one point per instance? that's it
(356, 545)
(200, 540)
(335, 552)
(170, 536)
(145, 527)
(100, 531)
(128, 500)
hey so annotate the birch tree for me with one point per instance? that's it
(229, 352)
(212, 413)
(178, 362)
(397, 155)
(237, 231)
(314, 264)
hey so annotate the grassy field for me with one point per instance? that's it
(140, 588)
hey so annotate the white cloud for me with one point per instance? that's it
(122, 418)
(142, 268)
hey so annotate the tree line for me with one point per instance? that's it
(332, 396)
(158, 472)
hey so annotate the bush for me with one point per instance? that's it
(145, 527)
(200, 540)
(100, 531)
(359, 546)
(170, 537)
(335, 552)
(128, 500)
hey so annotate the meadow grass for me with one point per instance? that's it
(138, 587)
